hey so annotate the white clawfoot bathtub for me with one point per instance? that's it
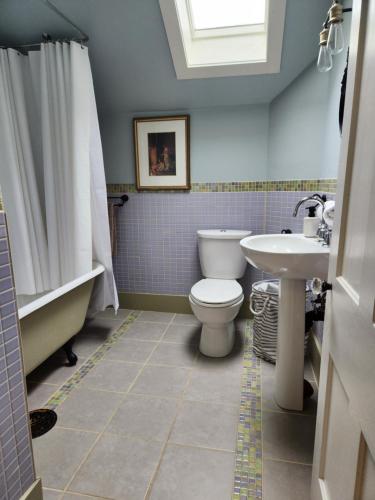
(48, 321)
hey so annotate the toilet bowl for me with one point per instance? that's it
(217, 299)
(216, 303)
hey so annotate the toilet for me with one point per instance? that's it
(216, 299)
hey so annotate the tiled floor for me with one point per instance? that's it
(288, 441)
(154, 419)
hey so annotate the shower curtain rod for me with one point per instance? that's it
(83, 36)
(51, 6)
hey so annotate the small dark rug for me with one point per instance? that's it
(42, 421)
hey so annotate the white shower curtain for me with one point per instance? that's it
(58, 127)
(65, 118)
(18, 176)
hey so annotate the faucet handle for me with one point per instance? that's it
(327, 236)
(321, 230)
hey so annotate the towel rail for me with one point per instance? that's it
(123, 197)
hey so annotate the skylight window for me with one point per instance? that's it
(211, 38)
(213, 14)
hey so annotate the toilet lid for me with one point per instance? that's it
(216, 291)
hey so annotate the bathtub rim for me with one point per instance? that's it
(62, 290)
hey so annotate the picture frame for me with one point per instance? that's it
(162, 152)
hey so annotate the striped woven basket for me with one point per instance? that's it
(264, 305)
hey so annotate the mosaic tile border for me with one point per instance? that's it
(248, 465)
(326, 185)
(61, 394)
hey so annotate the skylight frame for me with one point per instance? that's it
(234, 54)
(245, 29)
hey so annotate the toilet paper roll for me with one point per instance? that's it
(329, 212)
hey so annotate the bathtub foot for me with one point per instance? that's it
(71, 356)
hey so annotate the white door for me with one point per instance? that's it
(344, 456)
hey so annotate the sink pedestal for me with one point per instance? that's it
(290, 344)
(295, 259)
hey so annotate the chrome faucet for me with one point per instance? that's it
(314, 197)
(324, 232)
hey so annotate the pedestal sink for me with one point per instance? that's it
(294, 259)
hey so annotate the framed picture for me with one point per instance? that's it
(162, 156)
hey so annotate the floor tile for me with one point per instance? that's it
(191, 473)
(87, 409)
(174, 354)
(118, 467)
(268, 401)
(232, 362)
(38, 394)
(161, 381)
(109, 313)
(140, 330)
(228, 364)
(86, 344)
(58, 453)
(101, 327)
(131, 350)
(155, 317)
(144, 416)
(214, 386)
(112, 376)
(77, 496)
(285, 480)
(205, 424)
(288, 436)
(183, 334)
(54, 370)
(186, 319)
(52, 494)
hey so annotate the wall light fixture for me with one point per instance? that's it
(331, 38)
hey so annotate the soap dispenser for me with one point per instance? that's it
(311, 222)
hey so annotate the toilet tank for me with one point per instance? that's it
(220, 253)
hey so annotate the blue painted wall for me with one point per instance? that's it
(298, 126)
(330, 162)
(296, 136)
(228, 144)
(304, 138)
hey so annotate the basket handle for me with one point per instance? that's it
(258, 313)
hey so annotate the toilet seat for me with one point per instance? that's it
(216, 292)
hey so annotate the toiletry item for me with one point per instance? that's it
(329, 213)
(311, 223)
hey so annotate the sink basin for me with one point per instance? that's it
(291, 256)
(294, 259)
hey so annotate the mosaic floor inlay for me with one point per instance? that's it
(59, 396)
(248, 467)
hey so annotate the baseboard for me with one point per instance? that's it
(166, 303)
(315, 350)
(34, 492)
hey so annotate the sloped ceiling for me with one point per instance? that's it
(131, 61)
